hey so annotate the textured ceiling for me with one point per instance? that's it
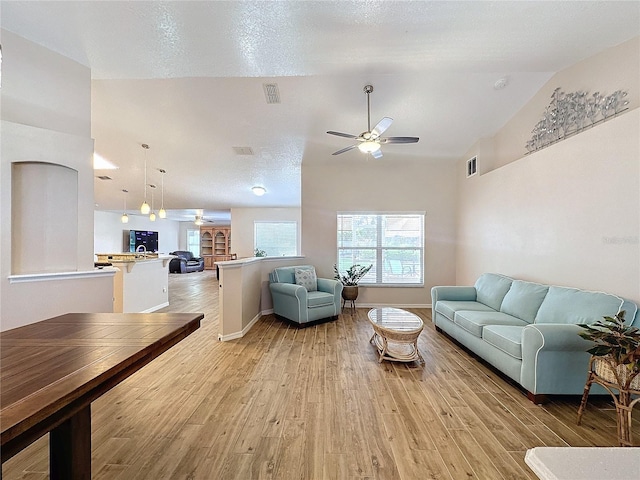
(187, 78)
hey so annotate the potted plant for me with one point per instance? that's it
(614, 364)
(616, 350)
(350, 279)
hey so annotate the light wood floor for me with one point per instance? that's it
(314, 403)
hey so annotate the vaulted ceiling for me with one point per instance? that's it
(188, 79)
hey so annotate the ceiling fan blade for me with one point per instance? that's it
(399, 140)
(344, 150)
(340, 134)
(381, 127)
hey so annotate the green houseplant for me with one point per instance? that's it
(617, 348)
(350, 279)
(352, 276)
(615, 365)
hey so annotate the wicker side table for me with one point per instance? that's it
(602, 373)
(395, 334)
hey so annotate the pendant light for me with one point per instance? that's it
(162, 213)
(124, 218)
(144, 208)
(152, 215)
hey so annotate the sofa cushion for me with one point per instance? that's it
(570, 305)
(473, 322)
(319, 299)
(491, 289)
(524, 299)
(507, 338)
(448, 308)
(307, 278)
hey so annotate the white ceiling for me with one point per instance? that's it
(187, 77)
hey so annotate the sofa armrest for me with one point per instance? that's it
(454, 293)
(289, 289)
(553, 337)
(554, 359)
(329, 286)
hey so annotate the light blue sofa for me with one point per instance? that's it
(526, 330)
(295, 303)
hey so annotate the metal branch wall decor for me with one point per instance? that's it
(571, 113)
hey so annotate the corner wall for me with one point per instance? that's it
(568, 214)
(46, 117)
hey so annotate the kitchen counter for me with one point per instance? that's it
(140, 283)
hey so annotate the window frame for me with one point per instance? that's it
(379, 248)
(291, 222)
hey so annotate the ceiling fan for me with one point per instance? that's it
(370, 141)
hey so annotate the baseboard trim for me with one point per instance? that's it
(243, 332)
(157, 307)
(263, 313)
(385, 305)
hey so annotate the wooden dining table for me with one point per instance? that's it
(51, 371)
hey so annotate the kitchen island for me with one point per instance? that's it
(141, 281)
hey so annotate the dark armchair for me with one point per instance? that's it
(185, 262)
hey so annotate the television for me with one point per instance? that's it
(143, 237)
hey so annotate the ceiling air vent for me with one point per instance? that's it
(243, 150)
(104, 177)
(271, 92)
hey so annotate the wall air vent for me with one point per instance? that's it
(271, 92)
(243, 150)
(104, 177)
(472, 166)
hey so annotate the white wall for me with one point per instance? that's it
(108, 232)
(46, 102)
(390, 184)
(242, 222)
(568, 214)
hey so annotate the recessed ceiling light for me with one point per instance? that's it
(259, 191)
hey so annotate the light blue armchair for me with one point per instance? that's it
(295, 303)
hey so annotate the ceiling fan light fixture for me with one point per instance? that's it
(259, 191)
(369, 147)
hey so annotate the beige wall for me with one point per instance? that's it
(244, 293)
(108, 231)
(616, 68)
(391, 184)
(242, 220)
(46, 102)
(565, 215)
(569, 213)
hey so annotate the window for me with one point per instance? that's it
(276, 239)
(392, 242)
(193, 242)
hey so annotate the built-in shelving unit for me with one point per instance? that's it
(215, 245)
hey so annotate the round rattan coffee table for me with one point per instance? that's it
(395, 334)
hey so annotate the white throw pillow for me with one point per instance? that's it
(307, 278)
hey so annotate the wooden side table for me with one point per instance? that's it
(602, 373)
